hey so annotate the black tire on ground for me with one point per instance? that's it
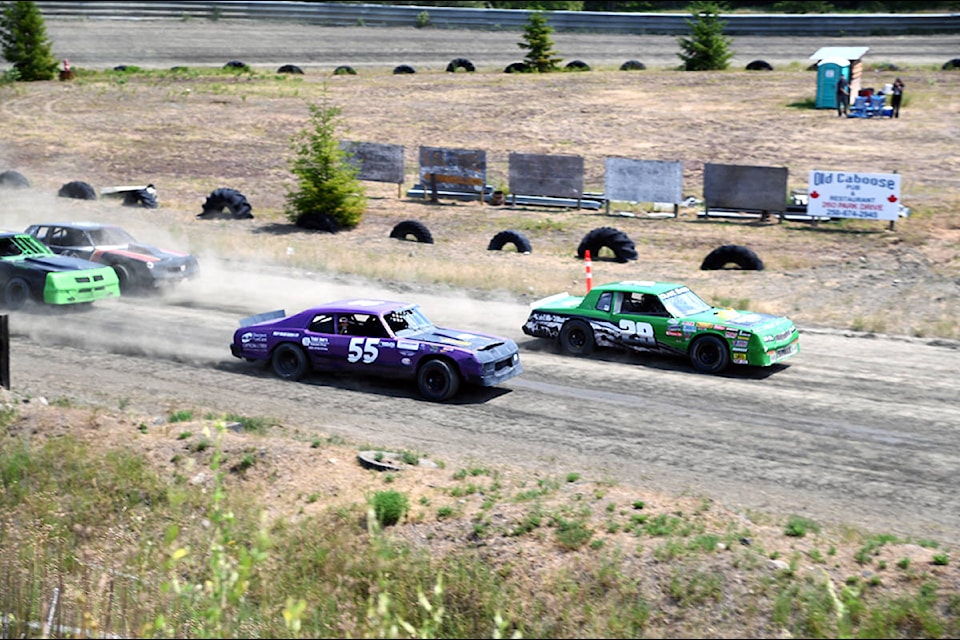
(516, 67)
(226, 199)
(146, 198)
(237, 64)
(419, 231)
(613, 239)
(759, 65)
(709, 354)
(576, 338)
(78, 190)
(403, 68)
(743, 257)
(16, 292)
(632, 65)
(515, 238)
(438, 380)
(460, 63)
(577, 65)
(344, 70)
(13, 178)
(289, 362)
(951, 64)
(318, 222)
(290, 68)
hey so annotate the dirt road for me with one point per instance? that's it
(855, 430)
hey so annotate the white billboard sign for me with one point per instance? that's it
(846, 194)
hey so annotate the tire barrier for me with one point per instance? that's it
(577, 65)
(13, 178)
(146, 198)
(613, 239)
(237, 65)
(318, 222)
(344, 70)
(226, 200)
(951, 64)
(460, 63)
(515, 67)
(403, 69)
(517, 239)
(290, 68)
(78, 189)
(759, 65)
(632, 65)
(404, 230)
(743, 257)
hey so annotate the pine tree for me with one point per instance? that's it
(24, 42)
(536, 35)
(327, 184)
(707, 49)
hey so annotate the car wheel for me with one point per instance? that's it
(611, 238)
(229, 199)
(517, 239)
(576, 338)
(13, 178)
(709, 354)
(438, 380)
(289, 362)
(78, 190)
(15, 293)
(419, 231)
(743, 257)
(123, 278)
(460, 63)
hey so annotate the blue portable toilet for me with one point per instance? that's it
(829, 72)
(831, 62)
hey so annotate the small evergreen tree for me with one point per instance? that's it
(24, 42)
(327, 184)
(539, 45)
(707, 49)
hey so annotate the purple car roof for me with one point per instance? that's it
(361, 305)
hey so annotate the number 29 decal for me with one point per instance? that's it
(365, 349)
(637, 332)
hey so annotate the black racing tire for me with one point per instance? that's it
(316, 221)
(743, 257)
(576, 338)
(78, 190)
(124, 279)
(516, 67)
(16, 293)
(419, 231)
(611, 238)
(403, 69)
(460, 63)
(632, 65)
(953, 63)
(146, 198)
(577, 65)
(517, 239)
(290, 68)
(11, 178)
(759, 65)
(237, 65)
(344, 70)
(709, 354)
(289, 362)
(438, 380)
(227, 199)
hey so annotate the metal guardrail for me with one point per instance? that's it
(344, 14)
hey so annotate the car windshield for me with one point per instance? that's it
(110, 235)
(405, 322)
(683, 302)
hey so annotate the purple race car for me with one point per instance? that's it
(376, 337)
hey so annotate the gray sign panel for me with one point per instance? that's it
(375, 162)
(628, 180)
(554, 176)
(459, 170)
(729, 186)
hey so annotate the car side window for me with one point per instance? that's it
(322, 324)
(604, 302)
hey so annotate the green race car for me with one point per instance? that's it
(31, 271)
(666, 318)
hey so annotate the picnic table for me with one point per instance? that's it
(869, 106)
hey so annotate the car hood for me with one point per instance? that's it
(458, 339)
(762, 323)
(147, 251)
(60, 263)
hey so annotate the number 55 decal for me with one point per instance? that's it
(363, 348)
(637, 332)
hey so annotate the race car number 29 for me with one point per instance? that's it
(637, 332)
(365, 349)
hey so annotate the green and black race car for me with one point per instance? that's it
(31, 271)
(662, 317)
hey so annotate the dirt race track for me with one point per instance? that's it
(854, 430)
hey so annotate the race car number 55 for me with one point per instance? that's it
(363, 348)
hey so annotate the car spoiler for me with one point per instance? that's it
(262, 317)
